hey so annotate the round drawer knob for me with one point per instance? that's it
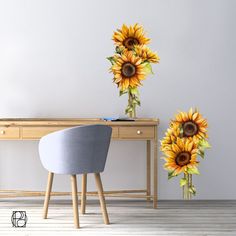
(139, 132)
(2, 132)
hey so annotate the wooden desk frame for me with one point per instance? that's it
(140, 129)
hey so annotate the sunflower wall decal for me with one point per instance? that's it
(131, 63)
(184, 141)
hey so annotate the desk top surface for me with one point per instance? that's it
(74, 121)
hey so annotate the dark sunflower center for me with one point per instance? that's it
(128, 69)
(190, 128)
(183, 158)
(130, 42)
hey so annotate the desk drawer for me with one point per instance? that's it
(115, 132)
(9, 132)
(38, 132)
(137, 132)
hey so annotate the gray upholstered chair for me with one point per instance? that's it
(77, 150)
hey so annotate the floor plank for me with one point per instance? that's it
(127, 217)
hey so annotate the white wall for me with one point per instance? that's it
(52, 64)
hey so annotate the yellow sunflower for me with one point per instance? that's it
(130, 36)
(192, 123)
(128, 70)
(146, 54)
(181, 157)
(171, 136)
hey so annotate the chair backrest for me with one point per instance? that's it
(76, 150)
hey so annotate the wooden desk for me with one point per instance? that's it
(140, 129)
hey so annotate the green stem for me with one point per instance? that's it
(186, 187)
(190, 185)
(186, 194)
(132, 113)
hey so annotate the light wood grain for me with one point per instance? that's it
(148, 171)
(101, 198)
(73, 122)
(23, 128)
(47, 195)
(38, 132)
(115, 132)
(136, 132)
(172, 218)
(9, 132)
(113, 193)
(155, 159)
(34, 129)
(75, 200)
(83, 193)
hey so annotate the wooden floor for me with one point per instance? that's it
(127, 217)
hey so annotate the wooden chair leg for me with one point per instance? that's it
(83, 193)
(75, 200)
(47, 194)
(101, 198)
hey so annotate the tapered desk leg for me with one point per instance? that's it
(148, 172)
(155, 171)
(83, 193)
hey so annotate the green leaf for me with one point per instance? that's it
(171, 174)
(134, 91)
(203, 143)
(201, 153)
(192, 190)
(128, 109)
(118, 50)
(193, 170)
(111, 59)
(136, 102)
(148, 68)
(182, 182)
(123, 92)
